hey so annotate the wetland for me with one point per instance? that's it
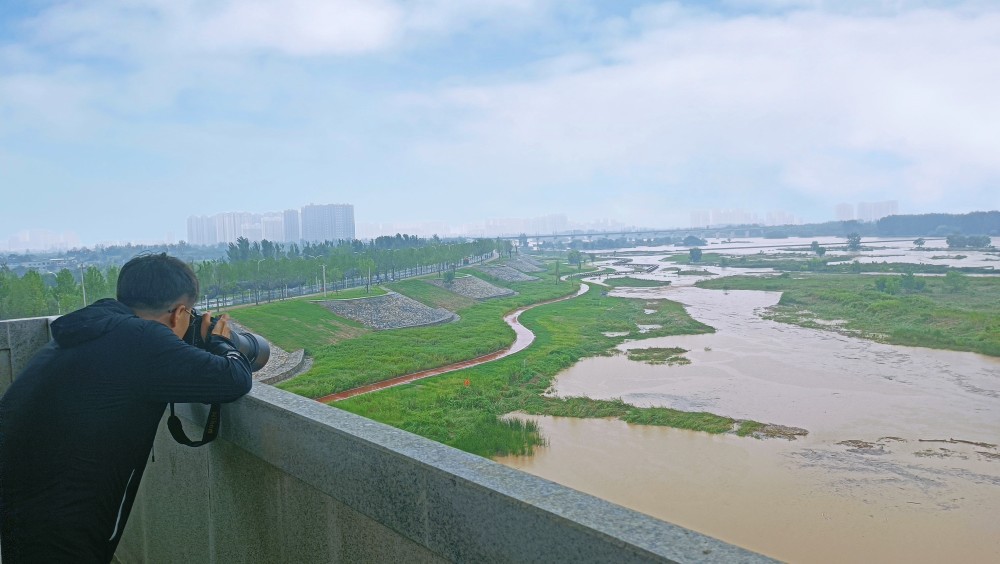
(785, 404)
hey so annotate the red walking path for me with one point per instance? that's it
(523, 338)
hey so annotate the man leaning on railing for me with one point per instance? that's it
(77, 425)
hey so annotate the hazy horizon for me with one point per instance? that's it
(118, 121)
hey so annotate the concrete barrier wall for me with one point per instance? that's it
(19, 340)
(292, 480)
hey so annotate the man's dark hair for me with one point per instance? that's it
(155, 281)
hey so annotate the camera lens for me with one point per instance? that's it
(254, 347)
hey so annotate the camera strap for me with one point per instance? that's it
(211, 427)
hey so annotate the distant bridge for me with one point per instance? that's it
(717, 232)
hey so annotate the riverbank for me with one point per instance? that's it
(467, 409)
(954, 312)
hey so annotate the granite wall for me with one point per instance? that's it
(293, 480)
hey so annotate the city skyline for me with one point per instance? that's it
(272, 225)
(119, 121)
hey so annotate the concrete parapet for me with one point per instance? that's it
(19, 340)
(292, 480)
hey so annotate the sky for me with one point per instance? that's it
(120, 119)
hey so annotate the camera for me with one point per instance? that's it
(254, 347)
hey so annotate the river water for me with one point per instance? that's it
(899, 463)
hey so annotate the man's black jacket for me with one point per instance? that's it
(77, 426)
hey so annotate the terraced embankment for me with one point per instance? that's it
(524, 337)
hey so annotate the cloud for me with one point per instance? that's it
(134, 30)
(493, 106)
(823, 104)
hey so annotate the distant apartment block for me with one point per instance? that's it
(701, 218)
(546, 224)
(866, 211)
(780, 217)
(291, 225)
(273, 227)
(328, 222)
(844, 212)
(874, 211)
(42, 239)
(331, 222)
(737, 216)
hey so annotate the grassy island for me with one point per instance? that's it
(955, 311)
(628, 282)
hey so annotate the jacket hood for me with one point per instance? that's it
(89, 323)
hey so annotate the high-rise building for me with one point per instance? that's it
(201, 230)
(331, 222)
(291, 221)
(781, 217)
(701, 218)
(273, 227)
(328, 222)
(844, 212)
(874, 211)
(343, 222)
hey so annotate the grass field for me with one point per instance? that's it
(962, 316)
(347, 355)
(467, 408)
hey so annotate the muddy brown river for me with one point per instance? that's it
(900, 462)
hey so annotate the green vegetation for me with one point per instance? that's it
(466, 408)
(695, 273)
(297, 324)
(655, 355)
(953, 312)
(635, 283)
(798, 262)
(341, 364)
(257, 272)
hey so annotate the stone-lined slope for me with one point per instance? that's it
(524, 264)
(472, 287)
(506, 273)
(389, 311)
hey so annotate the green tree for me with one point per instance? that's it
(96, 284)
(854, 241)
(694, 254)
(956, 241)
(28, 296)
(65, 291)
(919, 242)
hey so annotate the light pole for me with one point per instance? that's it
(83, 286)
(323, 266)
(258, 280)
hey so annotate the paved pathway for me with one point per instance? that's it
(524, 337)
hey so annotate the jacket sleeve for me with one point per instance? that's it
(182, 373)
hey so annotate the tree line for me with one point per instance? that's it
(256, 271)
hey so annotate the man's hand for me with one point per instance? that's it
(221, 326)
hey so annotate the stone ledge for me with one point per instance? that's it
(460, 506)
